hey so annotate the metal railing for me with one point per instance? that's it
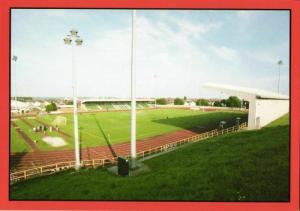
(94, 163)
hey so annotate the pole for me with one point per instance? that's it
(77, 153)
(155, 90)
(15, 81)
(133, 100)
(278, 86)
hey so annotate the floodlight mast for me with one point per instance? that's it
(278, 85)
(73, 39)
(15, 58)
(133, 99)
(155, 76)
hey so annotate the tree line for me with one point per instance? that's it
(231, 101)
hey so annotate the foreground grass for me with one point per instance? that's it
(246, 166)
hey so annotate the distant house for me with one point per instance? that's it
(24, 107)
(65, 108)
(189, 103)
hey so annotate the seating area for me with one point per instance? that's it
(92, 106)
(116, 105)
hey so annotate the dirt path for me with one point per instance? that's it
(26, 138)
(27, 123)
(28, 160)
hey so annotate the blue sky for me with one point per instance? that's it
(177, 51)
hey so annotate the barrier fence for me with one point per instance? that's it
(94, 163)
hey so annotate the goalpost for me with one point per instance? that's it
(60, 120)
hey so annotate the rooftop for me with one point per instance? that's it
(118, 100)
(245, 92)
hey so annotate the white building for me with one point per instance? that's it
(264, 106)
(190, 103)
(22, 107)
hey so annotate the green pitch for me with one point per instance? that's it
(115, 126)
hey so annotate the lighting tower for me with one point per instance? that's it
(73, 39)
(279, 64)
(133, 100)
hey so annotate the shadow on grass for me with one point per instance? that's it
(204, 122)
(15, 159)
(105, 138)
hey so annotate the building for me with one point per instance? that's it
(115, 104)
(264, 106)
(189, 103)
(18, 107)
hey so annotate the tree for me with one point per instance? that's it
(233, 101)
(161, 101)
(223, 103)
(202, 102)
(217, 104)
(184, 98)
(178, 101)
(69, 102)
(24, 99)
(54, 106)
(51, 107)
(246, 104)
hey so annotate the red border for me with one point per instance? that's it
(294, 5)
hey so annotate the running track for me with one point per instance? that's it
(26, 138)
(22, 161)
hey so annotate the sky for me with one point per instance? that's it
(177, 52)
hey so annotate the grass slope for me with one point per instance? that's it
(245, 166)
(117, 125)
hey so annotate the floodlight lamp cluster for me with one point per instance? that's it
(15, 58)
(73, 37)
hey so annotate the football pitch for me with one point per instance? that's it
(96, 129)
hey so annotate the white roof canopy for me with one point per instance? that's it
(245, 93)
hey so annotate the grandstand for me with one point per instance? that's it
(115, 104)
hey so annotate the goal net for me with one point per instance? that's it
(60, 120)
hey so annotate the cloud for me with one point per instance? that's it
(269, 56)
(174, 57)
(197, 29)
(246, 14)
(226, 53)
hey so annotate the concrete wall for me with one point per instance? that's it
(262, 112)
